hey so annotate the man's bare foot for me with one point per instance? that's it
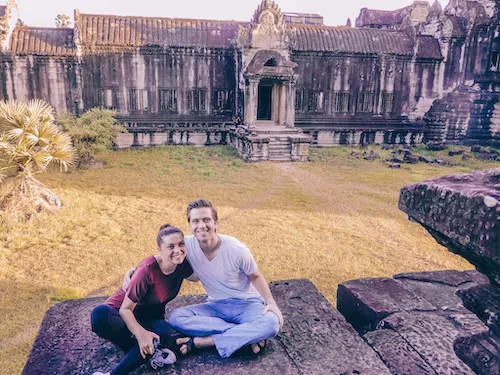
(258, 346)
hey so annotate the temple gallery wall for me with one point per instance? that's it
(274, 86)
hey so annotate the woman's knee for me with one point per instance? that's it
(100, 318)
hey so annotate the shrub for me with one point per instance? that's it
(96, 130)
(30, 142)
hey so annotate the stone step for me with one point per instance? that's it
(315, 339)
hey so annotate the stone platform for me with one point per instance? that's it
(315, 339)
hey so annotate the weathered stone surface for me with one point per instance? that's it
(397, 353)
(365, 302)
(315, 339)
(484, 301)
(432, 336)
(462, 211)
(481, 352)
(447, 277)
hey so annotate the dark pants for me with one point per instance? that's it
(107, 323)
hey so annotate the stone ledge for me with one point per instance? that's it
(462, 212)
(417, 323)
(315, 339)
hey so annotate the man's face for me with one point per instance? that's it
(202, 224)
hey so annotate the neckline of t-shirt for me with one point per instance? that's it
(218, 249)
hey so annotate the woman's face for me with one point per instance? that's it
(173, 248)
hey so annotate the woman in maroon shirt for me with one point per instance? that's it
(133, 318)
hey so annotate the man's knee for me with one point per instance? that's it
(272, 324)
(178, 316)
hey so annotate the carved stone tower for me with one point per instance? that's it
(268, 73)
(8, 19)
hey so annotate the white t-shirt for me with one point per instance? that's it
(225, 276)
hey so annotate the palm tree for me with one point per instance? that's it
(30, 142)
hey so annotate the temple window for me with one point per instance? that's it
(341, 101)
(222, 99)
(167, 99)
(495, 61)
(387, 102)
(138, 100)
(196, 100)
(107, 98)
(300, 100)
(365, 102)
(316, 101)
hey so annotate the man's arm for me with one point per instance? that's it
(259, 282)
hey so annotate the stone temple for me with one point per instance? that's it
(274, 86)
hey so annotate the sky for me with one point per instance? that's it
(335, 12)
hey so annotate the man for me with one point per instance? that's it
(240, 309)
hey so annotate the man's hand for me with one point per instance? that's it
(127, 278)
(145, 341)
(273, 307)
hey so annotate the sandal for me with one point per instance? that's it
(189, 346)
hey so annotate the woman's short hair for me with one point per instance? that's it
(166, 230)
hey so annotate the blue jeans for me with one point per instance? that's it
(107, 323)
(232, 323)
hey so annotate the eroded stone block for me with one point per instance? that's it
(315, 339)
(365, 302)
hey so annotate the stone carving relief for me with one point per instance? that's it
(268, 28)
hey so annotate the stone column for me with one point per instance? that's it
(251, 98)
(381, 87)
(283, 104)
(290, 103)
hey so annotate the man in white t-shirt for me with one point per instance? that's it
(240, 309)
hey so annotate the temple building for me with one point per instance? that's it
(274, 86)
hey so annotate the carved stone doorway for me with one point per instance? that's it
(264, 101)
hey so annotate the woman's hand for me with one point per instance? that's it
(145, 341)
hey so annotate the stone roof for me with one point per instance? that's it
(106, 32)
(126, 31)
(42, 41)
(369, 17)
(3, 9)
(349, 40)
(428, 47)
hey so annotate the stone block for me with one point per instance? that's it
(397, 353)
(433, 337)
(484, 301)
(481, 352)
(366, 302)
(462, 212)
(315, 339)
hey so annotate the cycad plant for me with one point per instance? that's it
(30, 142)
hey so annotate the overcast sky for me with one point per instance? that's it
(335, 12)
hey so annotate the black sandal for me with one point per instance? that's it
(189, 346)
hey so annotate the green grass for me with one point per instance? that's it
(329, 220)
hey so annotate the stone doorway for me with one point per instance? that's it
(264, 101)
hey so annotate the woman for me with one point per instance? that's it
(133, 318)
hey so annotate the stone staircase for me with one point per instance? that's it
(495, 124)
(464, 115)
(268, 141)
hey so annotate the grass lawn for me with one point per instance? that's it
(330, 220)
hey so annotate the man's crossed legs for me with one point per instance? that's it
(228, 324)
